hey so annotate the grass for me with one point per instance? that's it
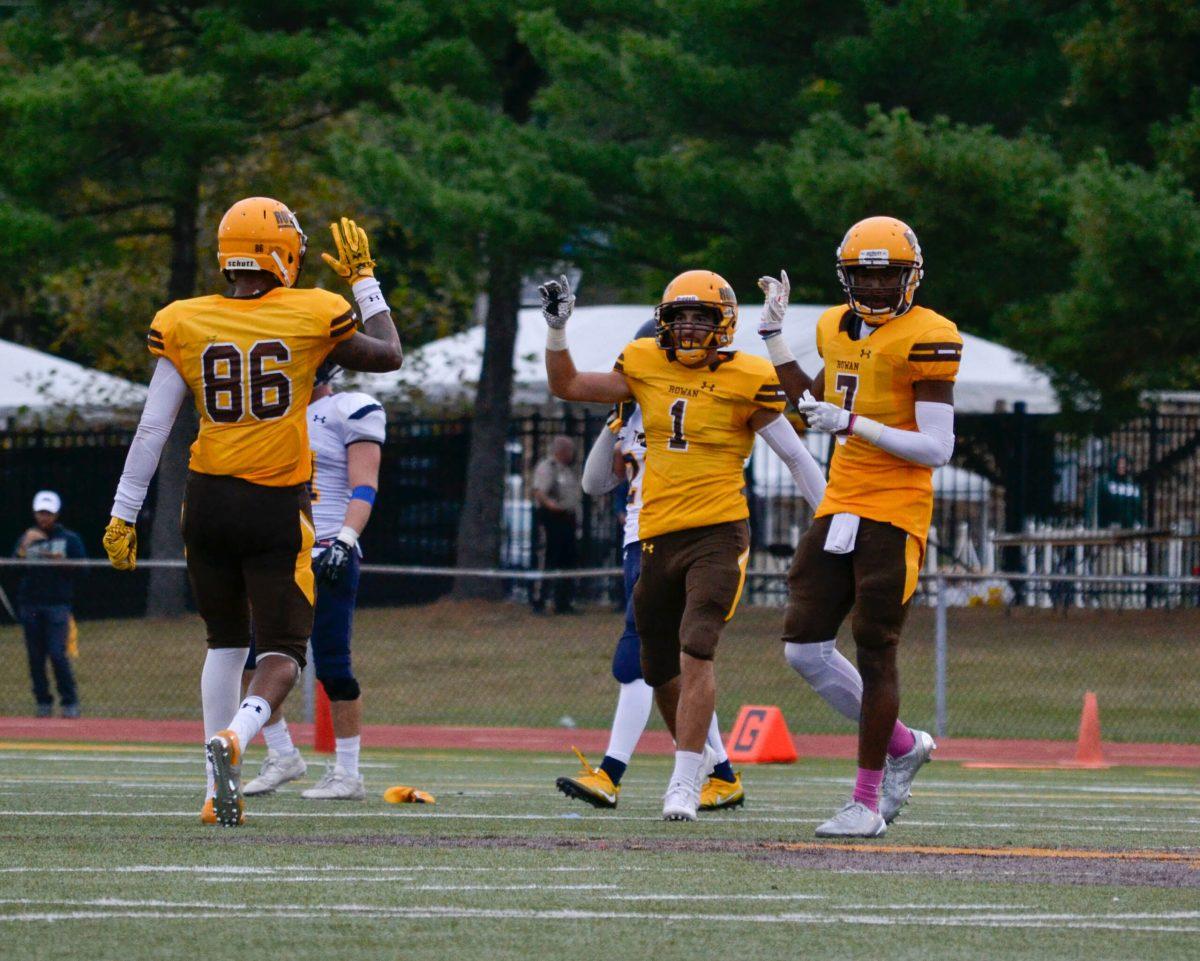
(1017, 672)
(103, 858)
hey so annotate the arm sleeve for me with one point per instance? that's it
(781, 437)
(598, 476)
(931, 444)
(167, 392)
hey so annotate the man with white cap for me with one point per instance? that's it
(45, 597)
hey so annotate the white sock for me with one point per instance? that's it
(715, 743)
(220, 688)
(278, 737)
(347, 753)
(834, 678)
(634, 703)
(687, 767)
(250, 718)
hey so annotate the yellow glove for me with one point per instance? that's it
(120, 544)
(353, 261)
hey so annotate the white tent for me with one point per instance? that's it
(41, 385)
(448, 369)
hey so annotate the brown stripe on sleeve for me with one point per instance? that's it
(619, 364)
(338, 331)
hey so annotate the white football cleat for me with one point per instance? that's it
(336, 784)
(276, 770)
(854, 820)
(680, 801)
(898, 774)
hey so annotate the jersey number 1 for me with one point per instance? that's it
(222, 367)
(677, 441)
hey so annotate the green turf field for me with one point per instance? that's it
(103, 858)
(1019, 672)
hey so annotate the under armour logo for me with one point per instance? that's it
(647, 547)
(865, 352)
(318, 418)
(705, 385)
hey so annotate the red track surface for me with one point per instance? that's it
(590, 741)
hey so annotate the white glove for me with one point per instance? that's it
(775, 305)
(557, 302)
(821, 415)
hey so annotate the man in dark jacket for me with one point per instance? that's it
(45, 597)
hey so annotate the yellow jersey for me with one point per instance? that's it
(698, 434)
(874, 377)
(250, 364)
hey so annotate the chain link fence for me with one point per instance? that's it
(982, 656)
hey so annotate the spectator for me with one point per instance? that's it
(556, 497)
(1118, 496)
(44, 597)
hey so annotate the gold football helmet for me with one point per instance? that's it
(708, 292)
(880, 266)
(259, 233)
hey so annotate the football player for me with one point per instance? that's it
(619, 453)
(248, 357)
(701, 405)
(887, 393)
(345, 432)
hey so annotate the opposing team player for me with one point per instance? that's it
(248, 358)
(890, 366)
(619, 453)
(701, 405)
(345, 432)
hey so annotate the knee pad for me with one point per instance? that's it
(627, 660)
(341, 688)
(809, 660)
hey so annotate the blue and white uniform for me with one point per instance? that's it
(334, 423)
(631, 442)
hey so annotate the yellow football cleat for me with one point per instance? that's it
(207, 814)
(717, 794)
(591, 785)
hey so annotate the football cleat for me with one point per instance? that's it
(592, 785)
(717, 794)
(225, 756)
(679, 803)
(336, 784)
(854, 820)
(276, 770)
(207, 814)
(898, 774)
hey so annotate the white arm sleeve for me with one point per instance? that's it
(167, 392)
(931, 444)
(782, 438)
(598, 476)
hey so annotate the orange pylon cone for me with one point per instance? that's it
(760, 736)
(1088, 753)
(323, 742)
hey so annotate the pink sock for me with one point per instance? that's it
(866, 788)
(902, 741)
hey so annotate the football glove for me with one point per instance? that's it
(557, 302)
(775, 304)
(618, 415)
(332, 562)
(353, 260)
(120, 544)
(821, 415)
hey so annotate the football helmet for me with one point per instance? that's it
(259, 233)
(880, 244)
(693, 289)
(326, 373)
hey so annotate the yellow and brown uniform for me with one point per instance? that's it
(692, 525)
(874, 377)
(247, 523)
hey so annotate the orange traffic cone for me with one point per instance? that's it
(322, 723)
(1087, 751)
(760, 736)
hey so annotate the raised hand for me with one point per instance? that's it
(557, 302)
(775, 304)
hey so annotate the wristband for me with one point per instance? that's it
(363, 492)
(556, 338)
(779, 351)
(869, 430)
(369, 296)
(348, 535)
